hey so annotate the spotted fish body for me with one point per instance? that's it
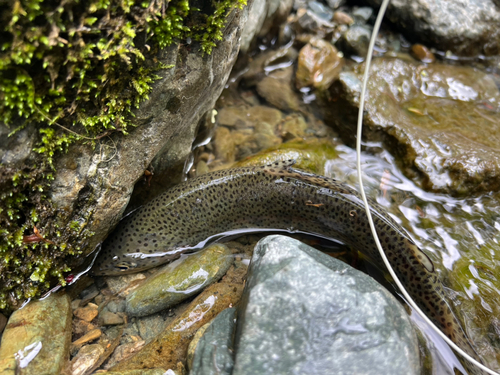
(272, 197)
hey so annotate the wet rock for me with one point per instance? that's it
(225, 149)
(476, 279)
(311, 22)
(122, 286)
(263, 15)
(150, 326)
(277, 90)
(342, 18)
(441, 121)
(290, 322)
(194, 342)
(362, 14)
(37, 337)
(465, 27)
(81, 327)
(214, 352)
(319, 64)
(295, 126)
(108, 318)
(320, 10)
(90, 336)
(97, 182)
(87, 313)
(86, 358)
(422, 53)
(334, 4)
(356, 39)
(124, 351)
(171, 346)
(230, 116)
(179, 280)
(310, 155)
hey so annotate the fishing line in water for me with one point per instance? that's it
(408, 298)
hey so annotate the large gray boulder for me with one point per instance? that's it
(304, 312)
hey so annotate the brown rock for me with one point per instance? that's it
(108, 318)
(87, 313)
(224, 145)
(277, 90)
(86, 358)
(422, 53)
(90, 336)
(125, 351)
(81, 327)
(342, 18)
(171, 346)
(319, 65)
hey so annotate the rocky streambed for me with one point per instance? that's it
(276, 305)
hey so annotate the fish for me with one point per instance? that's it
(275, 197)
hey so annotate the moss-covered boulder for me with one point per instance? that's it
(92, 95)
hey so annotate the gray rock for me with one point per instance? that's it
(465, 27)
(179, 280)
(320, 10)
(263, 14)
(37, 337)
(305, 312)
(356, 39)
(441, 121)
(213, 354)
(334, 4)
(363, 14)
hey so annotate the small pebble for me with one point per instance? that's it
(92, 335)
(422, 53)
(343, 18)
(87, 313)
(108, 318)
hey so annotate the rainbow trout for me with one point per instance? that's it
(273, 197)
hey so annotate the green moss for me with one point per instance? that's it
(76, 70)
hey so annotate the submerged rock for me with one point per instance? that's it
(179, 280)
(476, 279)
(310, 155)
(319, 65)
(305, 312)
(170, 347)
(441, 121)
(86, 358)
(214, 351)
(37, 337)
(466, 27)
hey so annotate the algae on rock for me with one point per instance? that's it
(73, 74)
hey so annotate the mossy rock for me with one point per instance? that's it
(73, 82)
(310, 155)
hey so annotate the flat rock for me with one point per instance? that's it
(86, 358)
(305, 312)
(214, 352)
(441, 121)
(170, 347)
(37, 337)
(179, 280)
(466, 27)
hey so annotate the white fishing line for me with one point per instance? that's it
(408, 298)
